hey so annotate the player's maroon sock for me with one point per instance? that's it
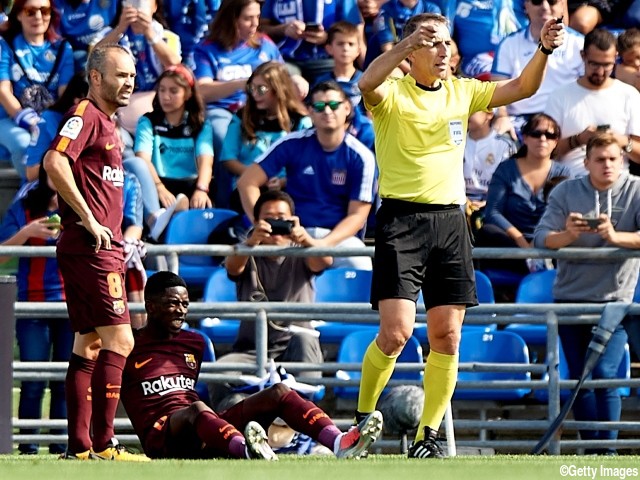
(106, 382)
(304, 416)
(78, 395)
(328, 435)
(219, 434)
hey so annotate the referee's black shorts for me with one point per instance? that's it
(422, 246)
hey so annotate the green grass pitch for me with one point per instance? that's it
(376, 467)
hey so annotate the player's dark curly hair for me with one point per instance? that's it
(160, 281)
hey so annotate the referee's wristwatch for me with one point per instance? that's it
(543, 49)
(629, 147)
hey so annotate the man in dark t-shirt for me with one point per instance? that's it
(158, 393)
(275, 279)
(84, 162)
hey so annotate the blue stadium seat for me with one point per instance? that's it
(209, 356)
(352, 350)
(219, 288)
(194, 227)
(342, 285)
(484, 290)
(503, 278)
(492, 347)
(535, 287)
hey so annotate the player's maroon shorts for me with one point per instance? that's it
(94, 287)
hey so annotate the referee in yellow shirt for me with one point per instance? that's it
(420, 123)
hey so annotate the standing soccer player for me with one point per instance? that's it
(84, 162)
(421, 235)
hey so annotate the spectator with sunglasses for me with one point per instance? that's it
(330, 175)
(515, 199)
(515, 51)
(35, 67)
(596, 103)
(272, 111)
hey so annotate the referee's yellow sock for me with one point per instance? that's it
(376, 371)
(440, 375)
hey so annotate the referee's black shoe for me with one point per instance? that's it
(427, 447)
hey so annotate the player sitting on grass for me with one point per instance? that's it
(158, 393)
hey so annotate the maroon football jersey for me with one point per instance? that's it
(89, 138)
(160, 377)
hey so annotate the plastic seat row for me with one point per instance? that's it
(339, 285)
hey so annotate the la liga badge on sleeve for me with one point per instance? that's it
(71, 129)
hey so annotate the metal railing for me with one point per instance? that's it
(353, 312)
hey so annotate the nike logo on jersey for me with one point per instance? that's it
(109, 146)
(109, 386)
(142, 364)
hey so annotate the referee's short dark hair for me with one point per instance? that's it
(416, 20)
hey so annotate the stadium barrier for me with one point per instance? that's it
(493, 313)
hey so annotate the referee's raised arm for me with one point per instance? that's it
(372, 84)
(528, 82)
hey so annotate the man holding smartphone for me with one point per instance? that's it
(275, 279)
(300, 31)
(594, 103)
(601, 209)
(330, 174)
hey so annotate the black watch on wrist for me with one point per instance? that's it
(543, 49)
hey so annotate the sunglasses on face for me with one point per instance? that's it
(321, 106)
(258, 90)
(539, 2)
(32, 11)
(539, 133)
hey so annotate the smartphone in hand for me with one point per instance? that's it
(312, 27)
(593, 222)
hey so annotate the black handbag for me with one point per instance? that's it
(37, 94)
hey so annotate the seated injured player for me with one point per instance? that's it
(158, 393)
